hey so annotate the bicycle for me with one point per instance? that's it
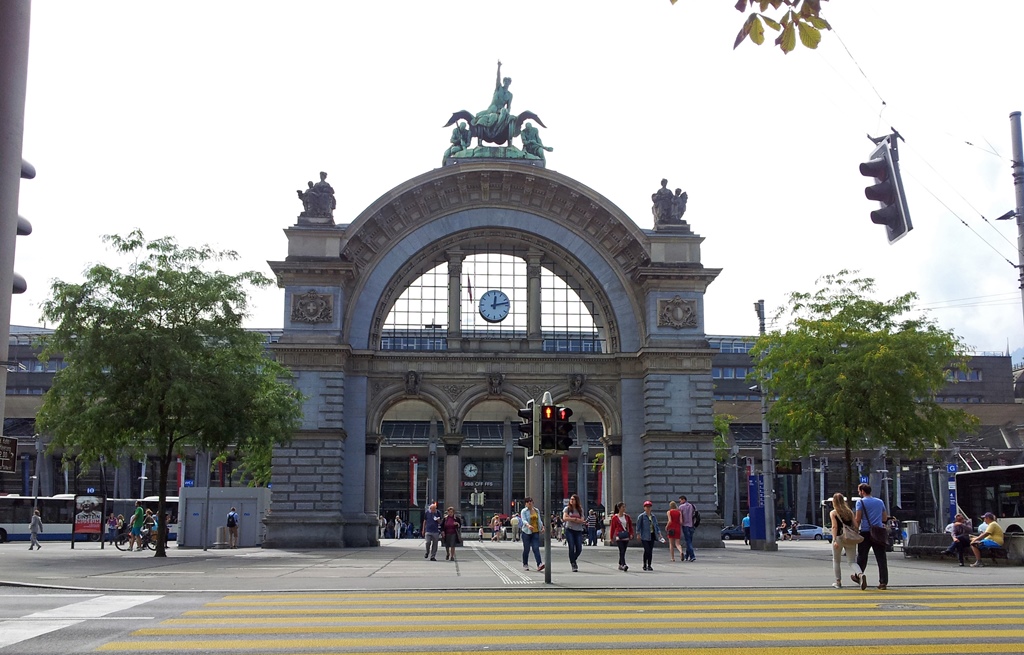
(123, 541)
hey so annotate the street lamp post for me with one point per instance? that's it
(885, 481)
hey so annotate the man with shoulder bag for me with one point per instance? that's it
(870, 517)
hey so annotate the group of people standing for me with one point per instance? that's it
(679, 528)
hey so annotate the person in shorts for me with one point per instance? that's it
(233, 528)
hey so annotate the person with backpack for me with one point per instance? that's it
(690, 520)
(233, 528)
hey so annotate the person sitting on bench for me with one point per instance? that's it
(992, 537)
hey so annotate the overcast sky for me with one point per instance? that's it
(201, 119)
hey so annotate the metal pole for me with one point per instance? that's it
(1017, 167)
(547, 518)
(206, 507)
(767, 459)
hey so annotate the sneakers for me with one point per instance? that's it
(977, 564)
(575, 569)
(433, 559)
(837, 585)
(883, 587)
(426, 555)
(540, 567)
(526, 568)
(625, 567)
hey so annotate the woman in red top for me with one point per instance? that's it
(674, 531)
(450, 528)
(621, 526)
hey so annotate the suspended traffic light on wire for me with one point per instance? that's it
(884, 167)
(529, 428)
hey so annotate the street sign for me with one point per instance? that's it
(865, 479)
(8, 451)
(951, 468)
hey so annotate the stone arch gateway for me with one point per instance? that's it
(647, 386)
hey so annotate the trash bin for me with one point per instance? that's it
(911, 527)
(222, 537)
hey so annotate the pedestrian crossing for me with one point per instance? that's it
(918, 621)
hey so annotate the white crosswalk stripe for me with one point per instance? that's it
(30, 626)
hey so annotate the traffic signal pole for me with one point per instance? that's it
(14, 30)
(547, 517)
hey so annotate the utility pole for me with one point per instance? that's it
(1018, 188)
(767, 459)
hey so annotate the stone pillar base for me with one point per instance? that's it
(304, 530)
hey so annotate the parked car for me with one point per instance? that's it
(732, 532)
(815, 532)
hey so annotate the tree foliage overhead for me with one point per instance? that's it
(852, 372)
(157, 359)
(797, 19)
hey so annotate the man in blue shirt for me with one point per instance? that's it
(870, 513)
(746, 529)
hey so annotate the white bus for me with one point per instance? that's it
(997, 489)
(58, 513)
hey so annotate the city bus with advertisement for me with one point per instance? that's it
(58, 515)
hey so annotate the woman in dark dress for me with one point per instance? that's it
(450, 529)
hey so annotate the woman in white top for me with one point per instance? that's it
(841, 515)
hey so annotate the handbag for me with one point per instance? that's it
(879, 535)
(850, 536)
(623, 535)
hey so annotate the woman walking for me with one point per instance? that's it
(621, 529)
(532, 525)
(572, 518)
(648, 530)
(841, 515)
(451, 530)
(111, 527)
(674, 529)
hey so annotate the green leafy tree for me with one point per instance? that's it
(852, 372)
(722, 423)
(157, 360)
(793, 19)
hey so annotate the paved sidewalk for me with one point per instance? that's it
(399, 565)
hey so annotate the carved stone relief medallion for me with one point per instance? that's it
(677, 313)
(312, 307)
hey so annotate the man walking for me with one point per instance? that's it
(686, 510)
(233, 528)
(138, 520)
(34, 528)
(431, 531)
(591, 528)
(870, 513)
(514, 521)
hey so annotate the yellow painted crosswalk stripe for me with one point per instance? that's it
(859, 637)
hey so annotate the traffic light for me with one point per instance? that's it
(562, 430)
(24, 227)
(548, 428)
(884, 167)
(529, 428)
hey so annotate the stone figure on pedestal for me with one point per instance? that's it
(460, 141)
(668, 208)
(532, 143)
(318, 200)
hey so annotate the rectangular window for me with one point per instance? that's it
(716, 372)
(729, 373)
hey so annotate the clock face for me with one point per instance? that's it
(470, 470)
(494, 306)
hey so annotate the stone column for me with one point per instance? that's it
(583, 464)
(371, 481)
(613, 474)
(432, 464)
(455, 258)
(452, 470)
(533, 322)
(506, 469)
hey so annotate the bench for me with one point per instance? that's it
(924, 544)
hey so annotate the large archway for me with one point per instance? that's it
(640, 378)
